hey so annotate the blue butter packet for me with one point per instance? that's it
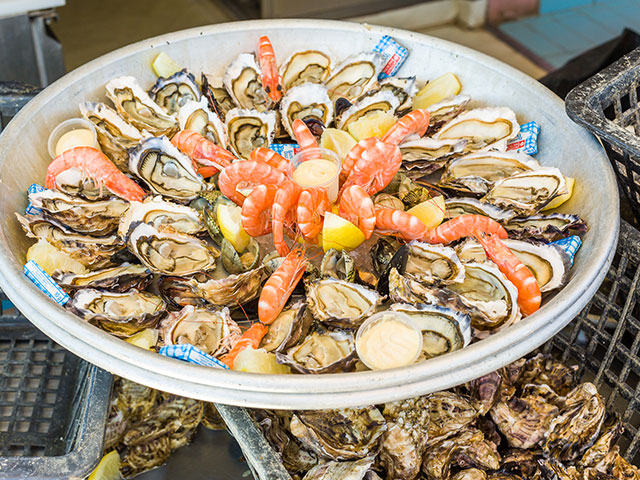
(33, 188)
(287, 150)
(44, 282)
(188, 353)
(394, 56)
(570, 245)
(527, 140)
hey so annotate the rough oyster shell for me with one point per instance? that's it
(122, 314)
(115, 279)
(307, 66)
(157, 212)
(546, 228)
(382, 253)
(381, 101)
(75, 182)
(136, 107)
(115, 136)
(341, 434)
(445, 111)
(355, 470)
(457, 206)
(403, 88)
(288, 328)
(235, 263)
(309, 100)
(323, 351)
(242, 81)
(175, 91)
(212, 331)
(338, 264)
(340, 303)
(426, 155)
(470, 474)
(354, 75)
(249, 129)
(165, 169)
(548, 263)
(485, 128)
(527, 192)
(218, 99)
(429, 264)
(196, 116)
(164, 250)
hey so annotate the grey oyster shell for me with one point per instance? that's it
(196, 116)
(457, 206)
(249, 129)
(354, 75)
(158, 212)
(307, 66)
(289, 327)
(355, 470)
(429, 264)
(218, 99)
(426, 155)
(381, 101)
(175, 91)
(242, 81)
(445, 111)
(309, 100)
(546, 228)
(114, 279)
(404, 89)
(338, 264)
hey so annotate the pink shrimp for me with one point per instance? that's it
(256, 210)
(312, 204)
(375, 166)
(284, 202)
(270, 79)
(251, 338)
(97, 166)
(208, 158)
(464, 226)
(303, 135)
(279, 286)
(416, 121)
(357, 207)
(247, 174)
(529, 296)
(270, 157)
(399, 223)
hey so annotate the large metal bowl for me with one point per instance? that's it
(23, 160)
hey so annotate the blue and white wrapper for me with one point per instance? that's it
(287, 150)
(527, 140)
(188, 353)
(394, 56)
(33, 188)
(570, 245)
(44, 282)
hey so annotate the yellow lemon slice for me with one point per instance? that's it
(435, 91)
(375, 124)
(258, 361)
(339, 233)
(560, 199)
(231, 226)
(431, 212)
(52, 260)
(108, 468)
(337, 141)
(165, 66)
(147, 339)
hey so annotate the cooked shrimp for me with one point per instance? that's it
(96, 166)
(312, 204)
(416, 121)
(279, 286)
(251, 338)
(284, 202)
(247, 174)
(256, 210)
(270, 157)
(354, 155)
(375, 167)
(399, 223)
(270, 79)
(464, 226)
(357, 207)
(303, 135)
(208, 158)
(529, 296)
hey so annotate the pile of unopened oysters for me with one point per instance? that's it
(528, 420)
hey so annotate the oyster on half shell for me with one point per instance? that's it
(115, 279)
(175, 91)
(354, 75)
(157, 211)
(546, 228)
(249, 129)
(404, 89)
(456, 206)
(426, 155)
(196, 116)
(242, 81)
(429, 264)
(381, 101)
(308, 66)
(445, 111)
(309, 100)
(288, 328)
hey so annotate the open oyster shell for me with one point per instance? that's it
(157, 211)
(136, 107)
(115, 279)
(429, 264)
(122, 314)
(307, 66)
(175, 91)
(338, 264)
(309, 100)
(425, 154)
(288, 328)
(218, 99)
(249, 129)
(354, 75)
(381, 101)
(445, 111)
(546, 228)
(355, 470)
(403, 88)
(196, 116)
(165, 169)
(456, 206)
(242, 81)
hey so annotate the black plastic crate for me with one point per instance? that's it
(607, 105)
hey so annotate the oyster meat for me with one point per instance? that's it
(234, 262)
(122, 314)
(546, 228)
(218, 99)
(381, 101)
(354, 75)
(308, 66)
(338, 264)
(249, 129)
(136, 107)
(165, 169)
(445, 111)
(426, 155)
(457, 206)
(306, 101)
(115, 279)
(242, 81)
(323, 351)
(175, 91)
(196, 116)
(164, 250)
(403, 88)
(291, 325)
(429, 264)
(157, 212)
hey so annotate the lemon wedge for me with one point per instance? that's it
(108, 468)
(147, 339)
(258, 361)
(339, 233)
(231, 226)
(430, 212)
(560, 199)
(435, 91)
(375, 124)
(52, 260)
(165, 66)
(337, 141)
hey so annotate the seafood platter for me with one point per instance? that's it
(230, 228)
